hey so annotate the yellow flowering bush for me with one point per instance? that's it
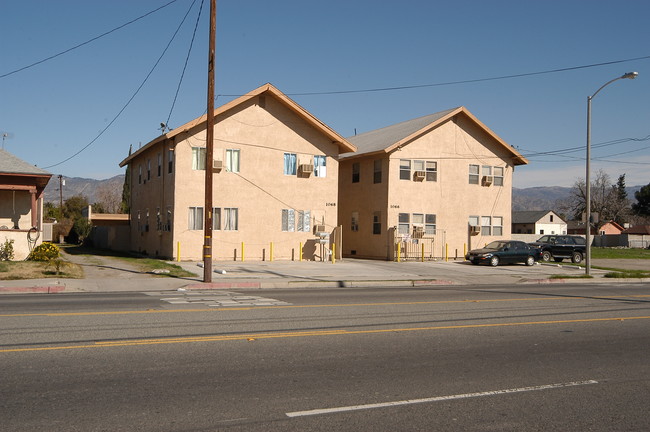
(44, 252)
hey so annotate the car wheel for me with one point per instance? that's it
(494, 261)
(530, 261)
(546, 256)
(576, 257)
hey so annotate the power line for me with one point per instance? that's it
(86, 42)
(189, 51)
(134, 94)
(448, 83)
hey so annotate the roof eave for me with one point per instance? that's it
(342, 143)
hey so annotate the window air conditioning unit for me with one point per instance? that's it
(474, 229)
(419, 175)
(488, 180)
(217, 165)
(319, 229)
(306, 168)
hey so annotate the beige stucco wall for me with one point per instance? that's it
(454, 145)
(259, 191)
(15, 210)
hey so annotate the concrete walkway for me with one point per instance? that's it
(107, 274)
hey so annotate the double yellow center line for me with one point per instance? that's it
(257, 336)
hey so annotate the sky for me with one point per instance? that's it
(81, 81)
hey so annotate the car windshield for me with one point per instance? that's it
(496, 245)
(543, 239)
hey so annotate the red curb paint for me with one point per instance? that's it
(223, 285)
(48, 289)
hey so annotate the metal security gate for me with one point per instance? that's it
(419, 246)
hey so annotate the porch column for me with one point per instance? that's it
(32, 193)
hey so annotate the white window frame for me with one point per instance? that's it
(404, 223)
(405, 169)
(232, 160)
(290, 164)
(320, 166)
(497, 226)
(216, 219)
(230, 219)
(431, 171)
(195, 220)
(288, 220)
(304, 221)
(198, 158)
(474, 173)
(377, 169)
(498, 176)
(430, 224)
(486, 225)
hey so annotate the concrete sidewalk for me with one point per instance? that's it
(106, 274)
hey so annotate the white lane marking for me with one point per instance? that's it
(437, 399)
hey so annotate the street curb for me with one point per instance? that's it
(47, 289)
(317, 284)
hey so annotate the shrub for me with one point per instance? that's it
(44, 252)
(7, 250)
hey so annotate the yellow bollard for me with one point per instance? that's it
(422, 252)
(271, 257)
(333, 253)
(300, 251)
(178, 251)
(242, 251)
(399, 252)
(446, 252)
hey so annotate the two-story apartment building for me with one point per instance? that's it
(437, 186)
(275, 179)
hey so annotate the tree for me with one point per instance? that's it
(125, 207)
(621, 205)
(642, 206)
(609, 201)
(108, 200)
(74, 206)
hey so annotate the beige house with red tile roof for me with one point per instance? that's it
(430, 187)
(275, 180)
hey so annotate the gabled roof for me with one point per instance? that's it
(389, 138)
(530, 217)
(10, 164)
(638, 229)
(344, 145)
(615, 225)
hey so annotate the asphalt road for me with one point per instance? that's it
(557, 357)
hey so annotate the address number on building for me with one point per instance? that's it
(330, 204)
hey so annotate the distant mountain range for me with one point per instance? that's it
(533, 198)
(81, 186)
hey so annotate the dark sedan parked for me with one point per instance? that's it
(504, 252)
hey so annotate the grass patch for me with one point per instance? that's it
(17, 270)
(582, 276)
(619, 253)
(628, 274)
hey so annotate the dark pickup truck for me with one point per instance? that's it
(559, 247)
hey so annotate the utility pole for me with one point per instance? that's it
(209, 152)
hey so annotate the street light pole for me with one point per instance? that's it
(629, 75)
